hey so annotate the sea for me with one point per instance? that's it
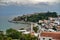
(4, 24)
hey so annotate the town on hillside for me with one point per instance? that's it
(43, 26)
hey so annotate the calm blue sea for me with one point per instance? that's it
(4, 24)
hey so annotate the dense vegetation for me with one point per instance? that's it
(14, 34)
(35, 17)
(35, 29)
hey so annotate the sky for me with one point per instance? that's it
(20, 7)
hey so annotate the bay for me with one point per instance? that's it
(4, 24)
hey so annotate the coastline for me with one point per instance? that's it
(21, 22)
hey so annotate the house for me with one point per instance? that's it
(50, 18)
(53, 35)
(22, 30)
(26, 32)
(58, 28)
(40, 21)
(45, 21)
(34, 24)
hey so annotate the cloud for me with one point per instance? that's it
(25, 2)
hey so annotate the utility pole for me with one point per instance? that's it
(39, 32)
(31, 27)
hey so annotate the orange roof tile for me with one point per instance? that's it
(54, 35)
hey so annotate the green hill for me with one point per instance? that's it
(35, 17)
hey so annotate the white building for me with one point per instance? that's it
(22, 30)
(40, 21)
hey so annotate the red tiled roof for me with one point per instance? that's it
(54, 35)
(57, 39)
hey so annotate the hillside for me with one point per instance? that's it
(35, 17)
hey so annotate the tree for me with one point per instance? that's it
(35, 29)
(36, 17)
(9, 38)
(14, 34)
(1, 35)
(54, 28)
(28, 37)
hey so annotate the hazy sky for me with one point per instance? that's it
(19, 7)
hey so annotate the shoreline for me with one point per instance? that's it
(22, 22)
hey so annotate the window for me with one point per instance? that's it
(43, 38)
(49, 39)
